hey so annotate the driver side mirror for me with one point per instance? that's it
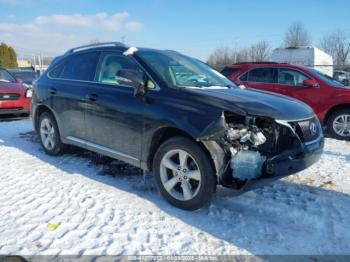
(19, 80)
(310, 83)
(132, 78)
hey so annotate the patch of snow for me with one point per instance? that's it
(130, 51)
(79, 203)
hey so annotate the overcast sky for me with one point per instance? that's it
(195, 27)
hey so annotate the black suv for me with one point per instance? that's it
(174, 116)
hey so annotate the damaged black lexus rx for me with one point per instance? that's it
(174, 116)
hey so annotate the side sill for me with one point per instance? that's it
(102, 150)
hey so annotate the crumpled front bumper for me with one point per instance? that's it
(288, 163)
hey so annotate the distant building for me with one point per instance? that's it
(40, 68)
(24, 63)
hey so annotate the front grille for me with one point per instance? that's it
(5, 97)
(307, 130)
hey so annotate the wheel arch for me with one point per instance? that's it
(334, 109)
(165, 133)
(38, 111)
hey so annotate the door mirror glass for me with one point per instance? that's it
(310, 83)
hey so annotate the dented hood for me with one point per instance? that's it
(258, 103)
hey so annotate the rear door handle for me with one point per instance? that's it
(53, 91)
(92, 97)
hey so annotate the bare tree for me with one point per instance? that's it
(46, 60)
(296, 36)
(220, 58)
(239, 54)
(337, 45)
(259, 52)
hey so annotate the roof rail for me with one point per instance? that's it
(95, 45)
(256, 63)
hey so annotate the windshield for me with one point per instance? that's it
(6, 77)
(26, 76)
(182, 71)
(329, 80)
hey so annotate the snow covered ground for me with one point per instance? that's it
(79, 203)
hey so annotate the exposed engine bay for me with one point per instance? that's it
(244, 148)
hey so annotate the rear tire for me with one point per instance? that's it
(338, 124)
(184, 174)
(49, 134)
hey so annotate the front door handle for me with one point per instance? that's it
(53, 91)
(91, 97)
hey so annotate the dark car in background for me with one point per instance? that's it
(26, 76)
(329, 98)
(15, 97)
(174, 116)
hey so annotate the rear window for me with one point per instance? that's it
(229, 71)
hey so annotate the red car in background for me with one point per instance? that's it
(329, 98)
(15, 97)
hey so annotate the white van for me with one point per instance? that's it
(305, 56)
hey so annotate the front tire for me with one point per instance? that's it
(339, 124)
(49, 134)
(184, 174)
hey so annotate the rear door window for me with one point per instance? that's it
(262, 75)
(81, 67)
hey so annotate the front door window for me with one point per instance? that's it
(291, 77)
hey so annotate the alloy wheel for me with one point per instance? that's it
(180, 175)
(341, 125)
(47, 134)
